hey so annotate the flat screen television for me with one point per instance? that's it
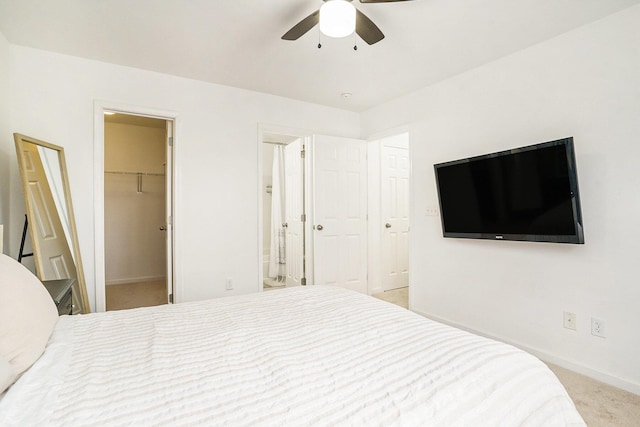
(528, 193)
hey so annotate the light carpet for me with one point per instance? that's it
(133, 295)
(600, 405)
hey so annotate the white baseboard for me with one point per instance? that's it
(128, 280)
(375, 290)
(546, 357)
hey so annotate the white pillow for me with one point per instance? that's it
(27, 317)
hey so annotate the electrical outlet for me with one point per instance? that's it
(598, 328)
(569, 320)
(432, 211)
(229, 283)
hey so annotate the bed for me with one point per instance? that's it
(312, 355)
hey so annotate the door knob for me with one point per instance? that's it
(387, 225)
(285, 225)
(163, 228)
(319, 227)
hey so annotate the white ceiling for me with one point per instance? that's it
(237, 42)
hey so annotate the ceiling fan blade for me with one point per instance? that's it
(367, 30)
(302, 27)
(381, 1)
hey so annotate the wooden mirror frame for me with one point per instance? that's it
(81, 288)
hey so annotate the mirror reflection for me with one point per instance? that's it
(50, 216)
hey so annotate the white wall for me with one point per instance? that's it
(6, 140)
(216, 153)
(135, 249)
(584, 84)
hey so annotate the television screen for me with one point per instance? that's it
(528, 193)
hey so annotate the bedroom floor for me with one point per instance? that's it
(269, 284)
(600, 405)
(132, 295)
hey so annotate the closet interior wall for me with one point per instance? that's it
(134, 202)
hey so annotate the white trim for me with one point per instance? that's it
(374, 248)
(394, 144)
(98, 190)
(98, 207)
(546, 357)
(412, 216)
(309, 200)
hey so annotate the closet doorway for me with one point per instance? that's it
(137, 210)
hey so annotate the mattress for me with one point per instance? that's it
(304, 356)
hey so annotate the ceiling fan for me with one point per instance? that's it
(339, 18)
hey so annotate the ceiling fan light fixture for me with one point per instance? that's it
(337, 18)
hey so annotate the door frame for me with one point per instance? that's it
(98, 211)
(265, 128)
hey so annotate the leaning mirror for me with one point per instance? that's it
(50, 216)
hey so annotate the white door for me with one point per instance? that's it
(340, 212)
(395, 216)
(169, 210)
(53, 256)
(55, 260)
(293, 212)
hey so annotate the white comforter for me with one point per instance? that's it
(296, 357)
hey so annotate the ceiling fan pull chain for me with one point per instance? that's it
(355, 41)
(319, 44)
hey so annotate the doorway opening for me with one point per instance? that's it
(137, 210)
(284, 211)
(389, 207)
(324, 225)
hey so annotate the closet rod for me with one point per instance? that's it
(134, 173)
(275, 143)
